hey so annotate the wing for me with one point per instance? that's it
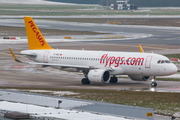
(59, 65)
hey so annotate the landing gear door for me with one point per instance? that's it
(45, 58)
(148, 62)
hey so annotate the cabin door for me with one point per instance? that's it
(148, 62)
(46, 57)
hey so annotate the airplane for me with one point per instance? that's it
(97, 66)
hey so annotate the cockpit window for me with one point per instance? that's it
(167, 61)
(159, 61)
(162, 61)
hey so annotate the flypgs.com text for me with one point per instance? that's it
(110, 60)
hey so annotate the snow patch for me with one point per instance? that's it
(177, 115)
(59, 93)
(35, 2)
(55, 113)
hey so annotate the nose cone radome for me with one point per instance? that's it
(173, 69)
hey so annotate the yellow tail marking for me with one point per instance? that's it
(140, 48)
(35, 38)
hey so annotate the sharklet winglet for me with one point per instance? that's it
(14, 57)
(141, 49)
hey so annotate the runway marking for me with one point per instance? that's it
(176, 31)
(176, 88)
(22, 66)
(9, 54)
(134, 46)
(5, 53)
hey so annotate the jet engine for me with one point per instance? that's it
(99, 75)
(140, 78)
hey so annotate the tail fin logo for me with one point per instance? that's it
(36, 31)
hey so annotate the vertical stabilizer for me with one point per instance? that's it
(34, 36)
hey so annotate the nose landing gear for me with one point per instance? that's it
(153, 84)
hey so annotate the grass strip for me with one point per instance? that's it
(125, 21)
(173, 56)
(168, 79)
(20, 31)
(66, 10)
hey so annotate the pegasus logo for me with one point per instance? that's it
(38, 36)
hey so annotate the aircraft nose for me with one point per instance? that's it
(173, 69)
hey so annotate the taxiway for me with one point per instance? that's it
(164, 40)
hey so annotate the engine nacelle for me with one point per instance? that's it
(140, 78)
(99, 75)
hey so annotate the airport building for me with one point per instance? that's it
(123, 5)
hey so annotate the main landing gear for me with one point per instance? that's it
(113, 79)
(85, 81)
(153, 84)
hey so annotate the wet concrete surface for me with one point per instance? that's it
(13, 74)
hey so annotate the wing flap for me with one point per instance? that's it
(61, 65)
(71, 66)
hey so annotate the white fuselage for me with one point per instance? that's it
(122, 63)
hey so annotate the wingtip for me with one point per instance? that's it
(14, 57)
(141, 49)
